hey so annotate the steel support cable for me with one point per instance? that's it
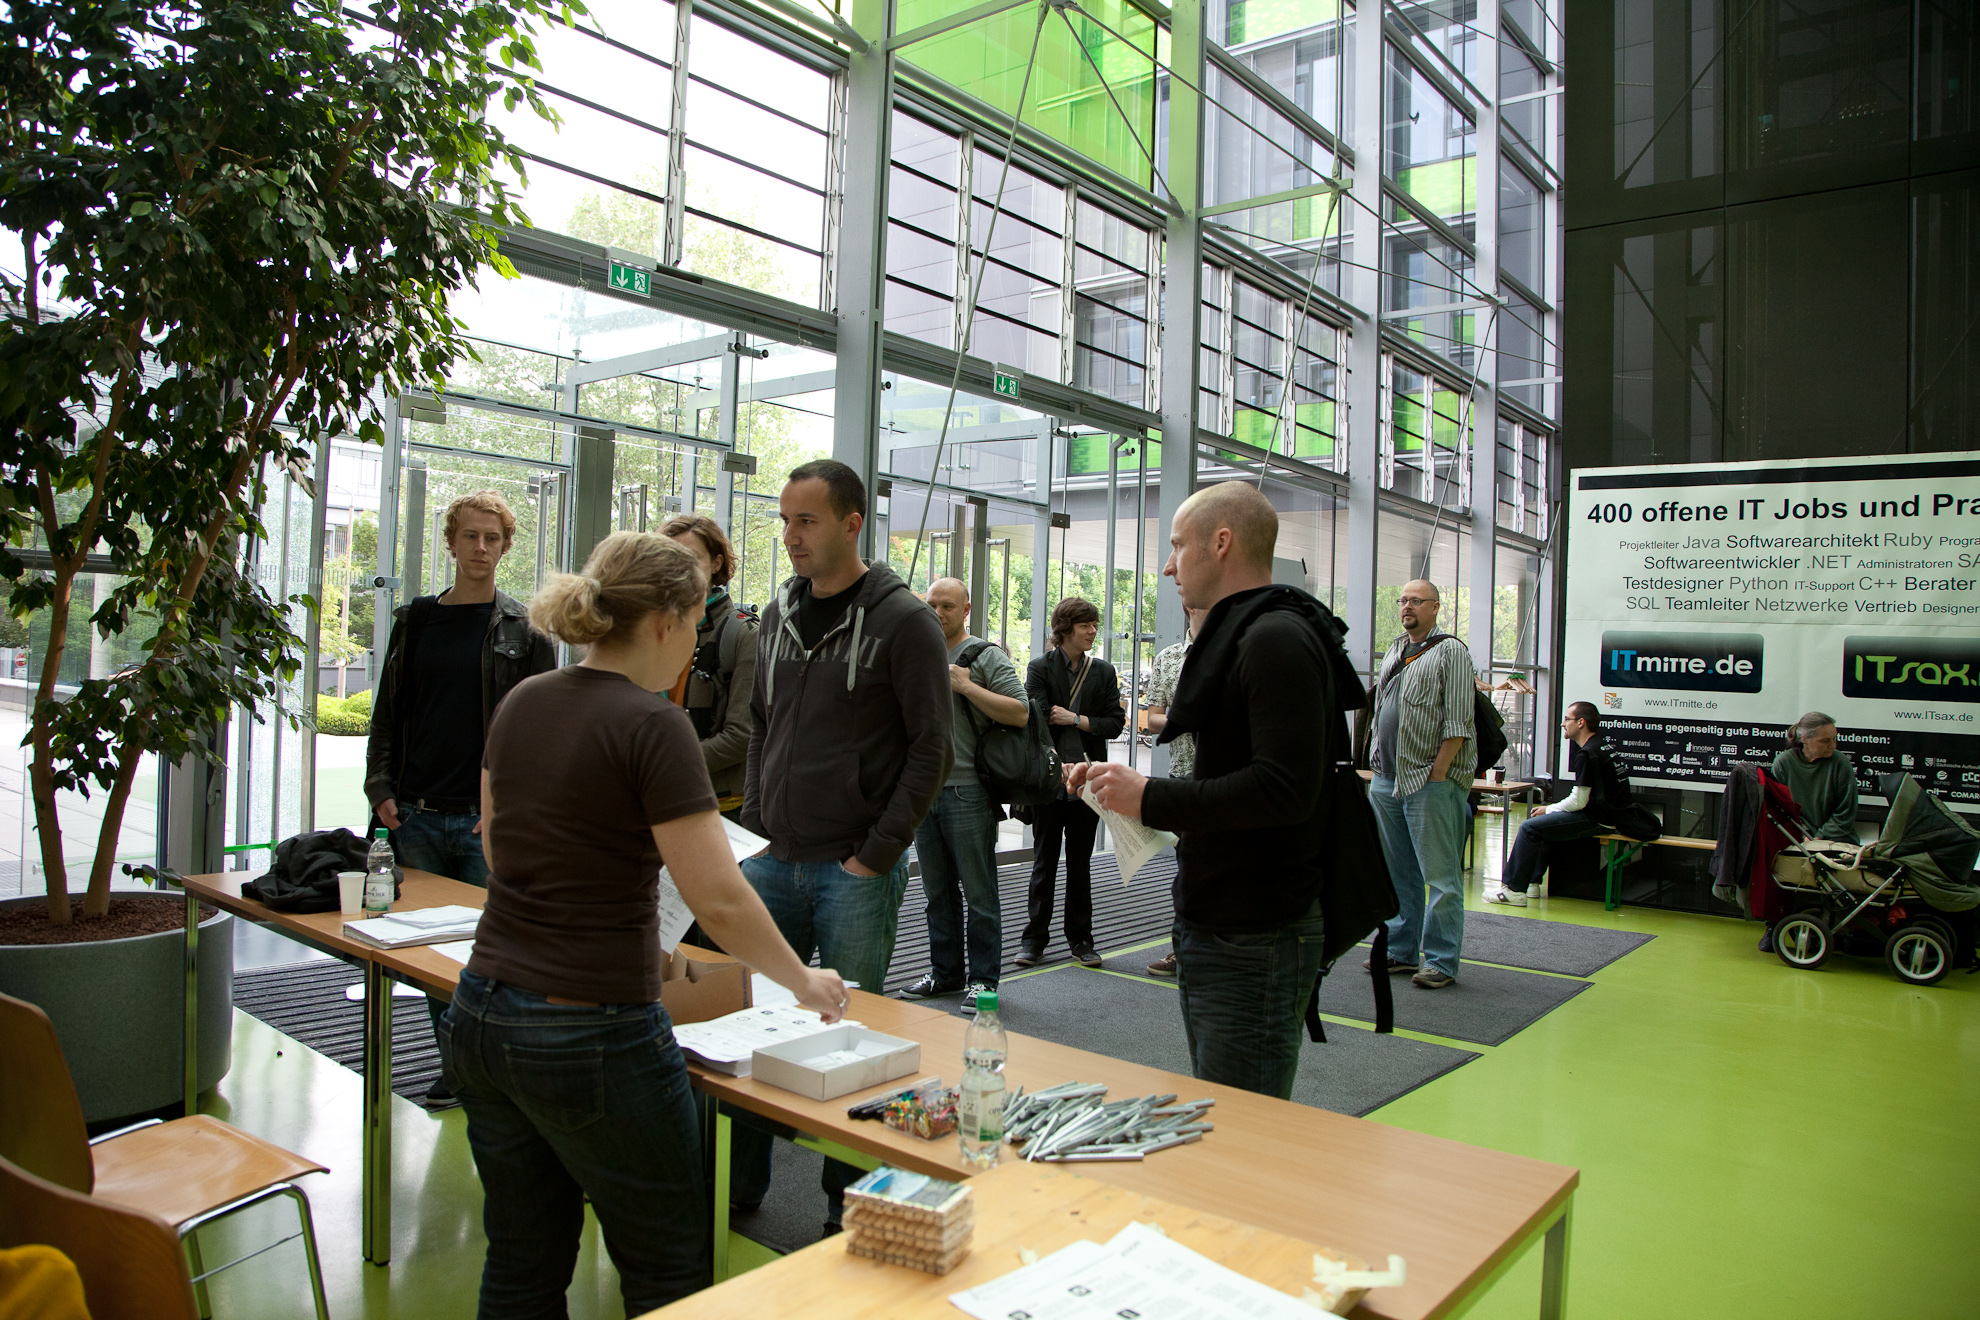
(1292, 353)
(1664, 123)
(976, 288)
(1154, 168)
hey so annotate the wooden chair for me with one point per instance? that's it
(132, 1264)
(188, 1172)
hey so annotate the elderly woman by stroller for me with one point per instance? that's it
(1821, 778)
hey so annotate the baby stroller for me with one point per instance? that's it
(1910, 895)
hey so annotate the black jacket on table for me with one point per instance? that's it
(510, 652)
(1258, 692)
(1049, 679)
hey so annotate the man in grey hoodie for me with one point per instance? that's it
(849, 747)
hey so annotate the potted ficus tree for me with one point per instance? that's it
(239, 224)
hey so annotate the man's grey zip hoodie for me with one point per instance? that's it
(851, 739)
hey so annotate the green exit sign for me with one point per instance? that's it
(631, 279)
(1004, 382)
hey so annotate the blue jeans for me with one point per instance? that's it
(443, 844)
(957, 848)
(1423, 843)
(1535, 839)
(850, 922)
(1244, 999)
(567, 1102)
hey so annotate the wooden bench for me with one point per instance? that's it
(1615, 857)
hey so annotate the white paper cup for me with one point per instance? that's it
(350, 893)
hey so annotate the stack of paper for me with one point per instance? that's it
(726, 1044)
(400, 930)
(1141, 1272)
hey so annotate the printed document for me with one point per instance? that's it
(1140, 1272)
(726, 1043)
(1134, 843)
(675, 918)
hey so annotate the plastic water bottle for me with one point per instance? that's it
(980, 1105)
(378, 883)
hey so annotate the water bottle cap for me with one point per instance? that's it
(986, 1001)
(379, 833)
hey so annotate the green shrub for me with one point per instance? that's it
(359, 703)
(338, 719)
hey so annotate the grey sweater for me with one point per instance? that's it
(1825, 790)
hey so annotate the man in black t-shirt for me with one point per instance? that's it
(450, 661)
(1601, 794)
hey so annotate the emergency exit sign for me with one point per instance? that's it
(1004, 382)
(631, 279)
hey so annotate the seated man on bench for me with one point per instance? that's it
(1600, 797)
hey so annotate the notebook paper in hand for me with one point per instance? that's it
(1134, 843)
(675, 918)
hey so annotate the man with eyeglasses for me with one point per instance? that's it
(1423, 754)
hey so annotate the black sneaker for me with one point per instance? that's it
(969, 996)
(927, 988)
(1396, 965)
(1086, 955)
(439, 1097)
(1030, 956)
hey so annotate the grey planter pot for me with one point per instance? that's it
(118, 1006)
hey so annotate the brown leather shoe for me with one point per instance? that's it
(1163, 966)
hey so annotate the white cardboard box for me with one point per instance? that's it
(836, 1062)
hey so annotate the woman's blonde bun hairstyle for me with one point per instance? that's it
(629, 576)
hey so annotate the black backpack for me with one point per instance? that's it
(1015, 765)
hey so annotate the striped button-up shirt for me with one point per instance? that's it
(1434, 693)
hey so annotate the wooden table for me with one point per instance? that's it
(1504, 789)
(434, 972)
(1460, 1215)
(1018, 1206)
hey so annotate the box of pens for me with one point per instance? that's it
(1072, 1124)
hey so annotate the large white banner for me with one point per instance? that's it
(1709, 605)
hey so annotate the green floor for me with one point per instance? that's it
(1753, 1143)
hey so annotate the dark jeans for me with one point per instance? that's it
(563, 1103)
(850, 922)
(1244, 999)
(445, 845)
(1075, 823)
(957, 847)
(1535, 841)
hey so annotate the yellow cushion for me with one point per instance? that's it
(40, 1283)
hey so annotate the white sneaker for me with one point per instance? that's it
(1509, 897)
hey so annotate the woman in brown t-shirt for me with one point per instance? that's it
(556, 1042)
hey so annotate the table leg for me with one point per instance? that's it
(724, 1133)
(1554, 1267)
(192, 1003)
(1505, 828)
(377, 1173)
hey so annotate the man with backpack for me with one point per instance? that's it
(956, 842)
(1423, 754)
(715, 688)
(1262, 690)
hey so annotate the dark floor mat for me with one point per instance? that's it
(1122, 915)
(1488, 1005)
(793, 1214)
(306, 1002)
(1546, 946)
(1140, 1020)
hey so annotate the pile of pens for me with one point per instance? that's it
(1071, 1124)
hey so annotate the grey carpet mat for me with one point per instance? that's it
(793, 1214)
(1545, 946)
(1487, 1005)
(1139, 1020)
(306, 1002)
(1122, 915)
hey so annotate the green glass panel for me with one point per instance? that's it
(1067, 99)
(1315, 435)
(1406, 418)
(1254, 428)
(1448, 187)
(1259, 20)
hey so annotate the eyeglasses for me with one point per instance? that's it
(1418, 600)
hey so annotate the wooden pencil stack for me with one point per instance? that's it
(909, 1219)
